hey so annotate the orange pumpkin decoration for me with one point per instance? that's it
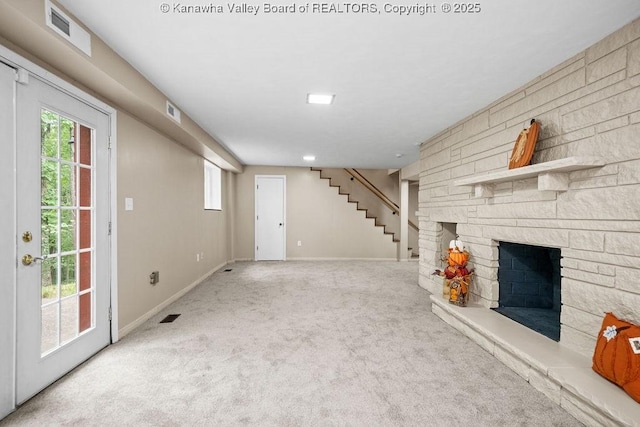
(617, 354)
(458, 258)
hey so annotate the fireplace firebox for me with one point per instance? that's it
(529, 286)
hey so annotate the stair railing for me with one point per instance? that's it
(369, 185)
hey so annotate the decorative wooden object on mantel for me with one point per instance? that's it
(552, 176)
(524, 146)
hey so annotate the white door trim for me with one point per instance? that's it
(13, 59)
(284, 214)
(8, 244)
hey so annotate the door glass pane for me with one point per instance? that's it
(67, 185)
(69, 319)
(49, 332)
(67, 230)
(49, 282)
(49, 221)
(68, 275)
(49, 183)
(84, 229)
(84, 271)
(85, 146)
(85, 311)
(84, 182)
(67, 139)
(49, 133)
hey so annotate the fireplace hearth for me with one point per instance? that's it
(529, 286)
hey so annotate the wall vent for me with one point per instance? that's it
(60, 23)
(67, 28)
(173, 112)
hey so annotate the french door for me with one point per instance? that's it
(62, 224)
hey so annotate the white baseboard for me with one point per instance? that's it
(149, 314)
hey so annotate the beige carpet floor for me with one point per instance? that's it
(296, 344)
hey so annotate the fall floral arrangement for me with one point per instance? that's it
(457, 278)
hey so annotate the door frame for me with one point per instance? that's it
(8, 254)
(284, 214)
(27, 69)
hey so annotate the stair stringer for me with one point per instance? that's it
(359, 206)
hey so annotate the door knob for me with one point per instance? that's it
(28, 259)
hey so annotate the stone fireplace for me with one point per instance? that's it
(579, 196)
(529, 286)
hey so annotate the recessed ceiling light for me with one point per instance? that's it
(316, 98)
(309, 158)
(399, 155)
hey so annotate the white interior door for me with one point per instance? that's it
(270, 218)
(62, 223)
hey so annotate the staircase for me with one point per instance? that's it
(367, 198)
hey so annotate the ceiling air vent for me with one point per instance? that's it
(173, 112)
(67, 28)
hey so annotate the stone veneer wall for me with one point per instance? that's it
(587, 106)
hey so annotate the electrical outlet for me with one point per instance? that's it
(299, 242)
(154, 277)
(197, 257)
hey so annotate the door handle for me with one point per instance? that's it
(28, 259)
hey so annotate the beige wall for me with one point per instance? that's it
(168, 226)
(317, 215)
(587, 106)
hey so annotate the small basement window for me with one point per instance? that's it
(212, 187)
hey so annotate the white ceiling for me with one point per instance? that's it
(398, 80)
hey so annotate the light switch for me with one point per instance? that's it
(128, 204)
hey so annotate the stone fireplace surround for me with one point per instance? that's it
(588, 108)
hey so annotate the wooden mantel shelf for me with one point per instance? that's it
(552, 176)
